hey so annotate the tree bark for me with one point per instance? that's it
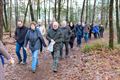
(82, 11)
(117, 22)
(86, 11)
(59, 10)
(67, 10)
(93, 12)
(26, 12)
(16, 11)
(55, 11)
(10, 16)
(1, 19)
(38, 9)
(6, 27)
(111, 29)
(45, 12)
(31, 11)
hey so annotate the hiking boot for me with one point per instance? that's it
(55, 70)
(19, 61)
(24, 63)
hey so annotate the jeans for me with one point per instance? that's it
(18, 48)
(79, 39)
(34, 59)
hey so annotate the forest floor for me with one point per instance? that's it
(103, 64)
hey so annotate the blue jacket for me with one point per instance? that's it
(95, 29)
(35, 39)
(79, 30)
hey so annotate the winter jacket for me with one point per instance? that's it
(57, 36)
(4, 53)
(35, 39)
(79, 30)
(95, 29)
(20, 34)
(66, 32)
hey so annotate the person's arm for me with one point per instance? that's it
(48, 36)
(41, 38)
(26, 39)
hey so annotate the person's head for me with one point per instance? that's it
(33, 25)
(55, 25)
(39, 21)
(71, 24)
(64, 24)
(20, 23)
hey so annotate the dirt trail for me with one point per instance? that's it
(79, 66)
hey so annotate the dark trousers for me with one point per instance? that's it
(72, 39)
(66, 49)
(101, 34)
(79, 39)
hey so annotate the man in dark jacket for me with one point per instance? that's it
(20, 34)
(79, 34)
(66, 38)
(55, 35)
(101, 30)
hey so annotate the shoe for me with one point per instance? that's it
(19, 61)
(33, 71)
(55, 70)
(24, 63)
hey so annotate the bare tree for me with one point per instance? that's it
(117, 21)
(111, 29)
(93, 11)
(1, 19)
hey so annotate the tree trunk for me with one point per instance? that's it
(5, 17)
(49, 13)
(26, 12)
(31, 11)
(102, 6)
(67, 10)
(59, 10)
(55, 11)
(10, 16)
(117, 22)
(107, 15)
(38, 9)
(71, 11)
(16, 11)
(93, 12)
(111, 29)
(45, 12)
(86, 11)
(1, 19)
(82, 11)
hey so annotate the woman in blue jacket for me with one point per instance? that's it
(35, 40)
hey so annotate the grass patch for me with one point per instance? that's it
(95, 46)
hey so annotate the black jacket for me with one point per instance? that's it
(20, 34)
(67, 33)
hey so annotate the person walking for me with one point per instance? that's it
(35, 39)
(54, 34)
(20, 34)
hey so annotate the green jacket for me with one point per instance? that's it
(56, 35)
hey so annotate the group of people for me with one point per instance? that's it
(63, 34)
